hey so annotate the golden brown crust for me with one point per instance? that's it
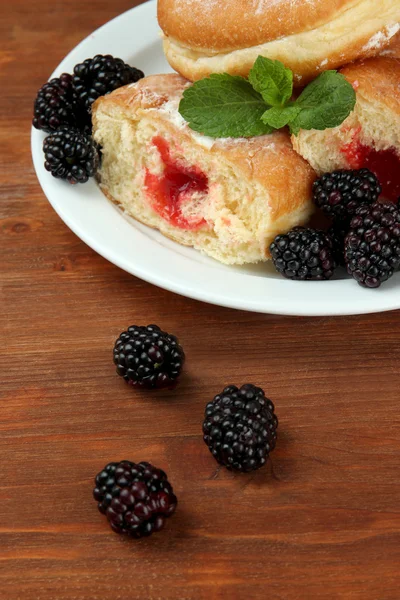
(376, 80)
(202, 25)
(269, 160)
(308, 36)
(150, 92)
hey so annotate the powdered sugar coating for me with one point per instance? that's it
(381, 38)
(258, 7)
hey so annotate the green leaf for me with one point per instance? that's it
(272, 80)
(224, 106)
(278, 117)
(325, 103)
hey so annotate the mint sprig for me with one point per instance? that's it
(324, 103)
(223, 105)
(272, 80)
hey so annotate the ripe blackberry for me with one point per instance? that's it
(100, 75)
(136, 498)
(372, 246)
(240, 428)
(303, 254)
(340, 193)
(71, 155)
(148, 357)
(337, 233)
(54, 105)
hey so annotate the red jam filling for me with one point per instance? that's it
(384, 163)
(168, 192)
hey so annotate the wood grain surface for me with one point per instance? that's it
(321, 520)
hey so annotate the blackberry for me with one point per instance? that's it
(337, 233)
(54, 104)
(148, 357)
(372, 246)
(100, 75)
(136, 498)
(71, 155)
(303, 254)
(240, 428)
(340, 193)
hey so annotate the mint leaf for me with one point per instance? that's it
(223, 105)
(272, 80)
(325, 103)
(278, 117)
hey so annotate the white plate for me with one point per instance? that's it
(134, 36)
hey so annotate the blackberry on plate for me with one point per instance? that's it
(340, 193)
(70, 155)
(148, 357)
(240, 428)
(54, 104)
(100, 75)
(303, 254)
(136, 498)
(372, 246)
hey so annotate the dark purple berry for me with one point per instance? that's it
(303, 254)
(372, 246)
(54, 105)
(240, 428)
(148, 357)
(136, 498)
(70, 155)
(99, 76)
(340, 193)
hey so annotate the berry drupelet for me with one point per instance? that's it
(148, 357)
(303, 254)
(136, 498)
(372, 246)
(340, 193)
(100, 75)
(70, 155)
(54, 105)
(240, 428)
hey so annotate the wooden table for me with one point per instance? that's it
(322, 520)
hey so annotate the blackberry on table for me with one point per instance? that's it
(54, 105)
(303, 254)
(100, 75)
(240, 428)
(372, 246)
(70, 155)
(340, 193)
(136, 498)
(148, 357)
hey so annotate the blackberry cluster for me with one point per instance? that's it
(62, 108)
(101, 75)
(303, 254)
(240, 428)
(148, 357)
(340, 193)
(372, 246)
(136, 498)
(71, 155)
